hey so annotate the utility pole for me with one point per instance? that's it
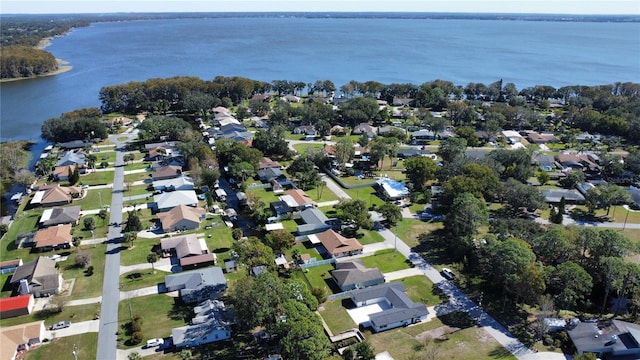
(75, 352)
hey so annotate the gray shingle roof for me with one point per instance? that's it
(402, 308)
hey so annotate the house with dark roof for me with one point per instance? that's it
(38, 277)
(269, 174)
(72, 158)
(9, 266)
(60, 216)
(308, 130)
(53, 237)
(164, 144)
(541, 138)
(423, 135)
(350, 275)
(335, 244)
(197, 285)
(236, 132)
(608, 339)
(76, 144)
(182, 218)
(365, 129)
(166, 172)
(314, 221)
(280, 208)
(553, 196)
(212, 322)
(385, 129)
(397, 309)
(545, 162)
(16, 306)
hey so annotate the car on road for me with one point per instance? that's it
(154, 342)
(61, 325)
(448, 274)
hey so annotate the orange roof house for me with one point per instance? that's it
(338, 245)
(181, 217)
(20, 338)
(53, 237)
(300, 197)
(52, 195)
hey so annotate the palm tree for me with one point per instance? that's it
(151, 259)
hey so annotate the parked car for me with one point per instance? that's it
(154, 342)
(61, 325)
(447, 273)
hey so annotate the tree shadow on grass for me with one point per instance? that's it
(432, 246)
(500, 352)
(181, 311)
(457, 319)
(435, 290)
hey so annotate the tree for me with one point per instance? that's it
(420, 169)
(24, 178)
(516, 163)
(354, 211)
(128, 158)
(572, 179)
(364, 351)
(344, 150)
(512, 266)
(102, 214)
(130, 237)
(252, 252)
(74, 175)
(89, 223)
(466, 214)
(302, 335)
(271, 142)
(236, 234)
(358, 110)
(134, 356)
(151, 259)
(452, 148)
(555, 246)
(604, 196)
(391, 212)
(377, 151)
(83, 259)
(543, 177)
(303, 170)
(570, 283)
(518, 196)
(133, 223)
(613, 271)
(280, 240)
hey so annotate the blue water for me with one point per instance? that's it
(526, 53)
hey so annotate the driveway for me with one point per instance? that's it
(75, 329)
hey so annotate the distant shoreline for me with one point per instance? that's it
(63, 66)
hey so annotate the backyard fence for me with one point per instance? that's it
(318, 263)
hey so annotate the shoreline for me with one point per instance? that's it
(63, 66)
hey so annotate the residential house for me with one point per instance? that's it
(338, 130)
(159, 153)
(168, 200)
(586, 162)
(365, 129)
(53, 237)
(570, 196)
(280, 208)
(608, 339)
(230, 266)
(422, 136)
(385, 129)
(513, 137)
(16, 306)
(119, 121)
(266, 163)
(164, 144)
(173, 184)
(308, 130)
(60, 216)
(281, 261)
(72, 158)
(182, 218)
(350, 275)
(335, 244)
(405, 102)
(197, 285)
(545, 162)
(189, 250)
(38, 277)
(269, 174)
(61, 173)
(446, 134)
(76, 144)
(541, 138)
(297, 199)
(314, 221)
(236, 132)
(396, 308)
(290, 99)
(212, 322)
(18, 339)
(54, 195)
(9, 266)
(391, 190)
(166, 172)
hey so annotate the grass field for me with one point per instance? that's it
(87, 348)
(302, 148)
(336, 317)
(69, 313)
(409, 229)
(136, 177)
(97, 178)
(386, 261)
(85, 286)
(421, 289)
(95, 199)
(141, 278)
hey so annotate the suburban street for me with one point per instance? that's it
(107, 338)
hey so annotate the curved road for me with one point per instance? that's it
(107, 338)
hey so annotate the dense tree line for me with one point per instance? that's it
(24, 61)
(79, 124)
(14, 159)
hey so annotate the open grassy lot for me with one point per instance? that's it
(108, 156)
(136, 166)
(368, 237)
(160, 313)
(409, 229)
(265, 195)
(85, 286)
(421, 289)
(137, 254)
(95, 199)
(87, 348)
(386, 261)
(354, 180)
(69, 313)
(137, 190)
(139, 176)
(321, 194)
(141, 278)
(335, 316)
(319, 276)
(469, 342)
(302, 148)
(97, 178)
(368, 195)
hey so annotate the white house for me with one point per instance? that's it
(169, 200)
(512, 136)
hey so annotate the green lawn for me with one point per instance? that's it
(25, 222)
(140, 279)
(97, 178)
(108, 156)
(321, 194)
(421, 289)
(101, 230)
(87, 348)
(137, 190)
(136, 166)
(409, 229)
(69, 313)
(95, 199)
(85, 286)
(137, 177)
(336, 317)
(367, 194)
(138, 253)
(5, 287)
(386, 260)
(302, 148)
(353, 180)
(319, 276)
(369, 237)
(265, 195)
(159, 315)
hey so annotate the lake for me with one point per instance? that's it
(526, 53)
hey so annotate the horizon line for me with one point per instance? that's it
(326, 12)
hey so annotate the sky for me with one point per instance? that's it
(590, 7)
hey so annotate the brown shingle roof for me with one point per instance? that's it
(336, 243)
(53, 236)
(178, 213)
(57, 194)
(166, 172)
(300, 197)
(266, 163)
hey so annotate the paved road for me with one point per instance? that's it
(568, 220)
(107, 338)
